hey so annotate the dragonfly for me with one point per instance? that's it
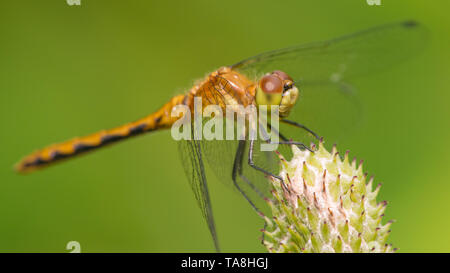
(307, 82)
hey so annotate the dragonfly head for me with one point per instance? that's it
(278, 89)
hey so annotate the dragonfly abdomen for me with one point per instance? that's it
(160, 119)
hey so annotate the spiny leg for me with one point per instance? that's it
(252, 164)
(298, 125)
(291, 142)
(237, 169)
(276, 131)
(285, 141)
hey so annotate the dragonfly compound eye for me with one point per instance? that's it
(271, 84)
(283, 76)
(269, 91)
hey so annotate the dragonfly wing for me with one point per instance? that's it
(333, 111)
(356, 54)
(328, 105)
(221, 156)
(191, 157)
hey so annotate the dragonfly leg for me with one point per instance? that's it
(276, 131)
(261, 195)
(252, 164)
(237, 169)
(251, 185)
(299, 144)
(285, 140)
(264, 229)
(298, 125)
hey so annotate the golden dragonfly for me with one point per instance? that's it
(284, 77)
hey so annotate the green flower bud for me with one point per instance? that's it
(325, 205)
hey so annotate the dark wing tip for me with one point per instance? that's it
(411, 24)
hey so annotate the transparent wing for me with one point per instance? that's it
(333, 111)
(328, 104)
(221, 156)
(226, 162)
(191, 158)
(351, 55)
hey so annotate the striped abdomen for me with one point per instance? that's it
(161, 119)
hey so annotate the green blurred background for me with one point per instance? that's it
(71, 70)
